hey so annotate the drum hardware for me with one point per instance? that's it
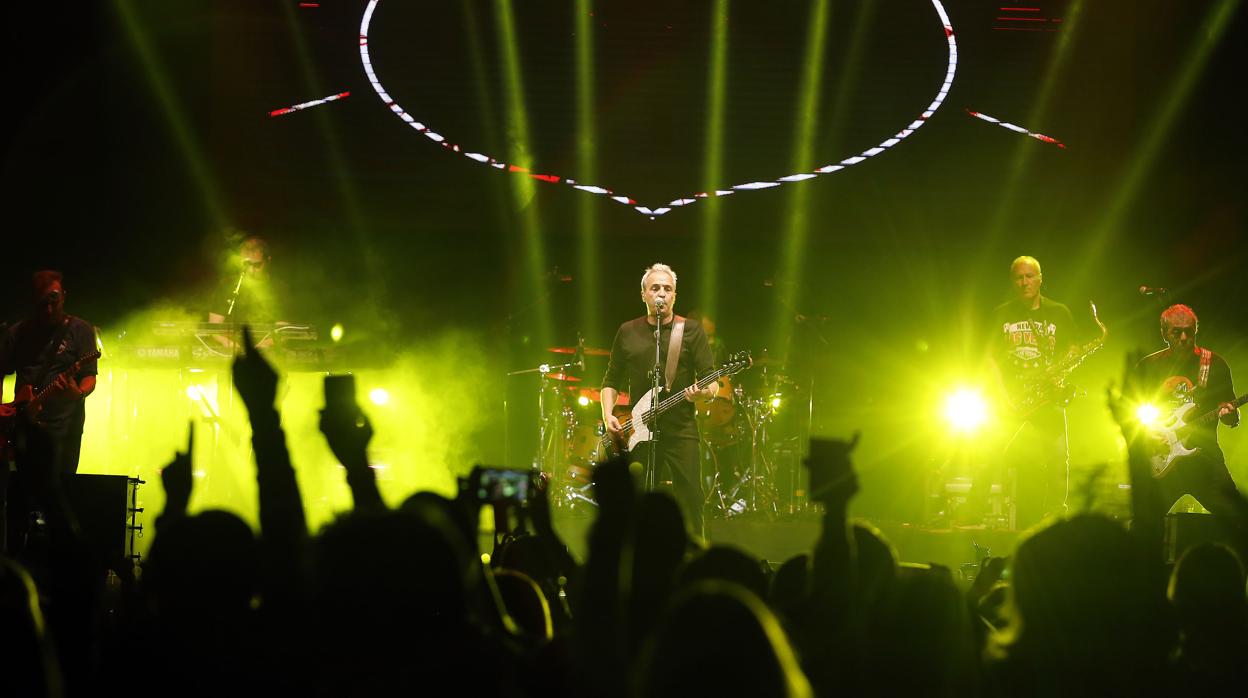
(755, 455)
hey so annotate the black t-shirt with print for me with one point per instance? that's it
(1028, 341)
(1170, 381)
(632, 359)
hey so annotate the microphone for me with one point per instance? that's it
(1151, 291)
(659, 303)
(579, 356)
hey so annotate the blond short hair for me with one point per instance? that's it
(1027, 259)
(657, 266)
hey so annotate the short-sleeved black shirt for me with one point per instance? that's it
(632, 359)
(1027, 340)
(23, 349)
(1169, 380)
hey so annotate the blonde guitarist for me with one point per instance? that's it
(1033, 338)
(1185, 381)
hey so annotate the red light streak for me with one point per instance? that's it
(1016, 129)
(305, 105)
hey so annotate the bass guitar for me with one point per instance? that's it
(638, 426)
(1176, 427)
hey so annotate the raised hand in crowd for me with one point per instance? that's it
(254, 378)
(348, 431)
(178, 480)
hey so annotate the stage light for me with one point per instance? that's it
(966, 410)
(192, 392)
(775, 402)
(335, 332)
(582, 401)
(379, 396)
(1147, 413)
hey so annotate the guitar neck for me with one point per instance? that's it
(1213, 413)
(675, 399)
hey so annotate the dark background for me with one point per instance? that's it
(137, 140)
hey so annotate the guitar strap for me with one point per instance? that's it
(1206, 358)
(49, 353)
(673, 349)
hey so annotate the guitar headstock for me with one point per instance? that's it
(737, 363)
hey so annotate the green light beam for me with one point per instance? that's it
(334, 152)
(587, 162)
(522, 188)
(798, 225)
(192, 154)
(712, 172)
(1037, 117)
(1120, 204)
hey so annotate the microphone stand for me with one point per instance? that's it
(652, 476)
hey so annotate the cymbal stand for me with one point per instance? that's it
(545, 434)
(758, 476)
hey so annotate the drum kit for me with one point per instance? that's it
(752, 433)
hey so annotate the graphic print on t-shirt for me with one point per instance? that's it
(1178, 390)
(1028, 341)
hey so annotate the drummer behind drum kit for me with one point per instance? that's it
(751, 437)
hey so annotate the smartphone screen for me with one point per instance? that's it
(340, 392)
(503, 485)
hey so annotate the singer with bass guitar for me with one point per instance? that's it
(1191, 388)
(51, 353)
(683, 355)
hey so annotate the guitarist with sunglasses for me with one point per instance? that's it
(46, 351)
(1192, 389)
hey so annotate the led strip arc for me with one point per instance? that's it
(950, 71)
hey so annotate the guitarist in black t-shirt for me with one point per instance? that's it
(1185, 382)
(51, 354)
(1032, 336)
(630, 369)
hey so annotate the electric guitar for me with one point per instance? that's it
(637, 427)
(1176, 427)
(30, 402)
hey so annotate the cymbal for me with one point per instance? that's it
(589, 351)
(563, 377)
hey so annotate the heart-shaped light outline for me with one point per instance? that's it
(438, 138)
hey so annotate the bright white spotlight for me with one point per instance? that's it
(775, 402)
(1147, 414)
(966, 410)
(379, 396)
(335, 332)
(583, 401)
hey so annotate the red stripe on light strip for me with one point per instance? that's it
(306, 105)
(1016, 129)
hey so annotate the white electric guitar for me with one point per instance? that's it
(1177, 427)
(641, 418)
